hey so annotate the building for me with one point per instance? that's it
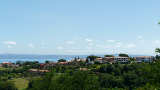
(108, 59)
(113, 59)
(38, 71)
(7, 64)
(121, 59)
(144, 59)
(83, 69)
(99, 59)
(63, 63)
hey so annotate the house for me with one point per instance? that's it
(108, 59)
(144, 58)
(83, 69)
(38, 71)
(99, 59)
(7, 64)
(63, 63)
(121, 59)
(113, 59)
(46, 65)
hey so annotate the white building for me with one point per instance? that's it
(121, 59)
(144, 58)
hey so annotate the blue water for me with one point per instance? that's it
(41, 58)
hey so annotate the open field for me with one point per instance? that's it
(1, 68)
(20, 83)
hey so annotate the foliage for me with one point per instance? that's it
(77, 81)
(5, 85)
(102, 77)
(92, 57)
(132, 76)
(157, 50)
(108, 55)
(62, 60)
(123, 55)
(20, 83)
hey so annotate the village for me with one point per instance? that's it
(37, 67)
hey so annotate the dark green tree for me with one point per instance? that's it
(62, 60)
(109, 55)
(5, 85)
(92, 57)
(123, 55)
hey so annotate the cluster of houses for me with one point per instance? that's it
(119, 59)
(8, 64)
(112, 59)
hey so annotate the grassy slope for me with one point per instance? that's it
(1, 68)
(21, 83)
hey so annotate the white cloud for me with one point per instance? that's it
(131, 45)
(157, 41)
(88, 40)
(111, 41)
(10, 42)
(31, 45)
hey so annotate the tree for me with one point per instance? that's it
(5, 85)
(92, 57)
(62, 60)
(123, 55)
(108, 55)
(47, 62)
(157, 50)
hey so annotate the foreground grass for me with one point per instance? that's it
(1, 68)
(20, 83)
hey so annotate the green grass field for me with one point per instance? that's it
(20, 83)
(1, 68)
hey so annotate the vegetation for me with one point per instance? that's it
(131, 76)
(123, 55)
(6, 85)
(92, 57)
(79, 75)
(102, 77)
(157, 51)
(62, 60)
(108, 55)
(20, 83)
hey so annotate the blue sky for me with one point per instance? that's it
(79, 26)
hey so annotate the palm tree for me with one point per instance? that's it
(157, 50)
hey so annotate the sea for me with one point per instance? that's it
(40, 58)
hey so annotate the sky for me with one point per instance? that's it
(74, 27)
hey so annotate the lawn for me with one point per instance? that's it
(20, 83)
(1, 68)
